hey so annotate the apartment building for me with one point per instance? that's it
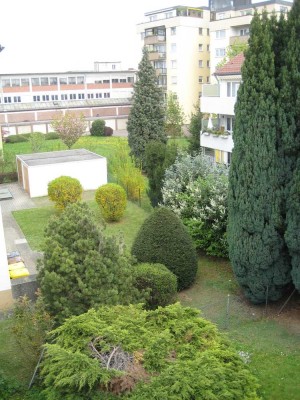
(230, 23)
(177, 39)
(36, 98)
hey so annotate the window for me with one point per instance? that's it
(63, 81)
(115, 80)
(173, 47)
(90, 95)
(174, 80)
(98, 95)
(123, 80)
(143, 35)
(200, 79)
(15, 82)
(64, 97)
(220, 15)
(246, 12)
(54, 97)
(244, 32)
(228, 124)
(174, 64)
(44, 81)
(7, 99)
(200, 63)
(173, 30)
(169, 14)
(221, 34)
(283, 9)
(113, 66)
(53, 80)
(153, 18)
(81, 96)
(200, 94)
(207, 31)
(73, 96)
(71, 80)
(130, 79)
(35, 81)
(25, 82)
(200, 47)
(5, 82)
(45, 97)
(207, 79)
(220, 52)
(106, 81)
(207, 47)
(232, 89)
(208, 64)
(98, 81)
(80, 80)
(106, 95)
(201, 31)
(36, 98)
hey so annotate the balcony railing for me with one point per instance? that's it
(211, 90)
(161, 71)
(155, 55)
(153, 39)
(238, 39)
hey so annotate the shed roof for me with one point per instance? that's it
(58, 157)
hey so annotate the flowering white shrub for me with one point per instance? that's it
(196, 189)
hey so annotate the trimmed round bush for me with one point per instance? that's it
(64, 190)
(108, 131)
(159, 280)
(112, 201)
(164, 239)
(97, 128)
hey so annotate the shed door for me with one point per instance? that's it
(26, 179)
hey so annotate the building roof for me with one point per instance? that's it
(58, 157)
(232, 67)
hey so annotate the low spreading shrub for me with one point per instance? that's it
(51, 136)
(164, 239)
(98, 128)
(16, 138)
(112, 201)
(159, 281)
(64, 190)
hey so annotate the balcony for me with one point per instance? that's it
(218, 140)
(154, 39)
(215, 102)
(238, 39)
(211, 90)
(155, 55)
(161, 71)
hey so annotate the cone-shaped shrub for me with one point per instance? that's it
(164, 239)
(112, 201)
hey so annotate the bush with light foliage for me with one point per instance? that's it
(127, 352)
(196, 189)
(111, 199)
(64, 190)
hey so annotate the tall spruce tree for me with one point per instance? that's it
(255, 227)
(289, 134)
(146, 117)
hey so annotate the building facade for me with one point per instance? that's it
(177, 39)
(35, 99)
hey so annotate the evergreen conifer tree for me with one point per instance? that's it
(146, 118)
(256, 227)
(289, 135)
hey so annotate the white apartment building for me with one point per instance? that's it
(230, 23)
(177, 39)
(218, 103)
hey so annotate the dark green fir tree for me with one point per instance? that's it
(289, 134)
(255, 226)
(147, 114)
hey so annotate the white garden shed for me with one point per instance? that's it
(36, 170)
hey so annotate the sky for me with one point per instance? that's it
(68, 35)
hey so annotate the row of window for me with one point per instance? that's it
(200, 79)
(221, 34)
(201, 64)
(45, 81)
(55, 97)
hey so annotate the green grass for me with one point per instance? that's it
(32, 222)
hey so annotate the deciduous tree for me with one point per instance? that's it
(70, 127)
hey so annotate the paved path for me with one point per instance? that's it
(14, 237)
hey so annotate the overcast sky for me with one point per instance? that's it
(64, 35)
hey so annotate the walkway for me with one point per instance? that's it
(14, 237)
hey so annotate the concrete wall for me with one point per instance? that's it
(90, 173)
(6, 299)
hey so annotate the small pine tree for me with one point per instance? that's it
(164, 239)
(158, 157)
(81, 268)
(146, 117)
